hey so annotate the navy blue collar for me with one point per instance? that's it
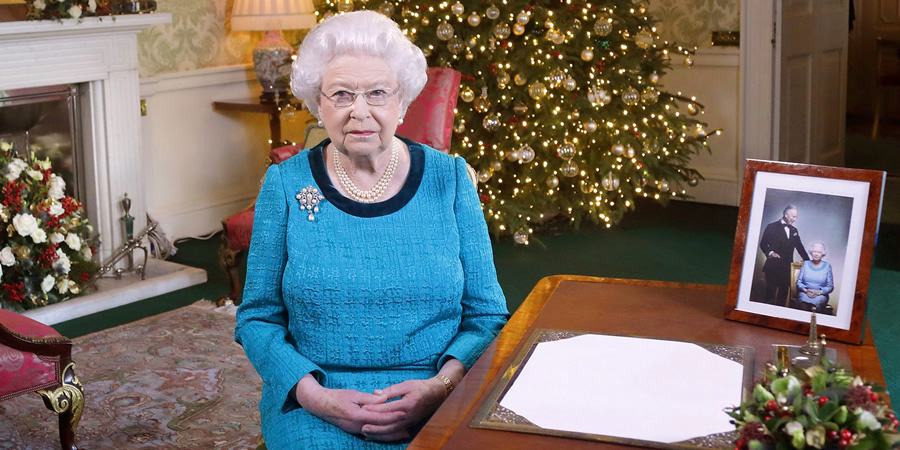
(389, 206)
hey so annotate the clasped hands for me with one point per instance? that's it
(812, 293)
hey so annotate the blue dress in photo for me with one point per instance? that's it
(815, 278)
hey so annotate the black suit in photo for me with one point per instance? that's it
(778, 270)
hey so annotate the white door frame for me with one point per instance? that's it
(757, 77)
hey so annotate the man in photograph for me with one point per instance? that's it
(779, 240)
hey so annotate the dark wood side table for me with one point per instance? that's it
(689, 312)
(254, 106)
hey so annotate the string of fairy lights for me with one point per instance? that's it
(561, 108)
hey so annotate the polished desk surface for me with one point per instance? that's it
(680, 311)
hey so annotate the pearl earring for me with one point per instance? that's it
(320, 124)
(400, 122)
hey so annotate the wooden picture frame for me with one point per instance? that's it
(837, 207)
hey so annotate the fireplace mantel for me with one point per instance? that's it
(100, 53)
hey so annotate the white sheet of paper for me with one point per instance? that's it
(647, 389)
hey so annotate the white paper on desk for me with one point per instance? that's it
(647, 389)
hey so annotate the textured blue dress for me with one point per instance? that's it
(815, 278)
(365, 295)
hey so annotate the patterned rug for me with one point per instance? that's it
(175, 380)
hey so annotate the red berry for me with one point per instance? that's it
(767, 418)
(845, 442)
(771, 405)
(846, 434)
(833, 435)
(874, 397)
(823, 400)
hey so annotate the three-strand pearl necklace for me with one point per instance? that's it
(372, 195)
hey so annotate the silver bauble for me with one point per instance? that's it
(456, 45)
(520, 109)
(522, 18)
(590, 126)
(569, 169)
(629, 151)
(444, 31)
(631, 96)
(518, 29)
(513, 155)
(586, 186)
(521, 237)
(693, 181)
(566, 151)
(556, 77)
(458, 8)
(644, 39)
(467, 95)
(495, 165)
(587, 54)
(603, 26)
(526, 153)
(688, 61)
(474, 19)
(693, 109)
(654, 77)
(484, 176)
(502, 31)
(618, 149)
(492, 12)
(552, 182)
(610, 181)
(569, 84)
(650, 95)
(663, 186)
(537, 90)
(386, 8)
(491, 122)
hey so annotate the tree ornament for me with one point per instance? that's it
(663, 186)
(650, 95)
(665, 56)
(537, 90)
(491, 122)
(555, 36)
(569, 169)
(456, 45)
(502, 79)
(386, 8)
(426, 21)
(556, 77)
(496, 166)
(597, 96)
(458, 8)
(610, 181)
(520, 79)
(513, 156)
(629, 151)
(587, 54)
(590, 126)
(484, 176)
(576, 114)
(469, 56)
(631, 96)
(644, 39)
(693, 109)
(521, 237)
(467, 95)
(586, 186)
(693, 181)
(569, 84)
(518, 29)
(460, 126)
(522, 18)
(474, 19)
(552, 181)
(603, 26)
(445, 31)
(566, 151)
(520, 109)
(688, 61)
(483, 103)
(700, 131)
(548, 23)
(653, 77)
(642, 8)
(618, 149)
(526, 153)
(492, 12)
(345, 5)
(472, 42)
(502, 30)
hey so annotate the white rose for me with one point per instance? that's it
(57, 187)
(25, 224)
(6, 256)
(39, 5)
(92, 5)
(6, 146)
(73, 241)
(62, 263)
(87, 253)
(56, 238)
(14, 169)
(63, 286)
(47, 283)
(39, 236)
(35, 174)
(75, 11)
(56, 209)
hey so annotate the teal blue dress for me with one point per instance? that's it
(363, 296)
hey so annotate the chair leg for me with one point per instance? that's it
(229, 260)
(67, 401)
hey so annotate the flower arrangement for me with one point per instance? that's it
(66, 9)
(824, 407)
(45, 254)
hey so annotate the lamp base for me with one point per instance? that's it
(272, 63)
(274, 97)
(133, 6)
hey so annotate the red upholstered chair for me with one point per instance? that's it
(429, 120)
(34, 358)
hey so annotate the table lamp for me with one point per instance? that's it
(272, 57)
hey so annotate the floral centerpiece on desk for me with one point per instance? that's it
(45, 242)
(822, 407)
(66, 9)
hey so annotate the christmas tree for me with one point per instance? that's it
(562, 110)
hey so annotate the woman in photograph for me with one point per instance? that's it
(815, 281)
(371, 288)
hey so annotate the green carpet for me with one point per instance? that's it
(685, 242)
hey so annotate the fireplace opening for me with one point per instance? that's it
(46, 121)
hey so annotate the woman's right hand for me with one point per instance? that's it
(343, 407)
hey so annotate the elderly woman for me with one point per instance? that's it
(371, 287)
(815, 281)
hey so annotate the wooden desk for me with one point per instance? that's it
(690, 312)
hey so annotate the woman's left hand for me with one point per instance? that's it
(417, 398)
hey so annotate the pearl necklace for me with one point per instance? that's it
(372, 195)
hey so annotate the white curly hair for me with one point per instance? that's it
(357, 33)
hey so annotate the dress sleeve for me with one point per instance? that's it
(262, 318)
(829, 281)
(801, 284)
(483, 304)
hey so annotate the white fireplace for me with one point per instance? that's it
(99, 54)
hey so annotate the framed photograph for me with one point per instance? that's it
(804, 242)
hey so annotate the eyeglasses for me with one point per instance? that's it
(374, 97)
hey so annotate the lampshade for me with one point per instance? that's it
(264, 15)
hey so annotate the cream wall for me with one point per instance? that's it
(202, 165)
